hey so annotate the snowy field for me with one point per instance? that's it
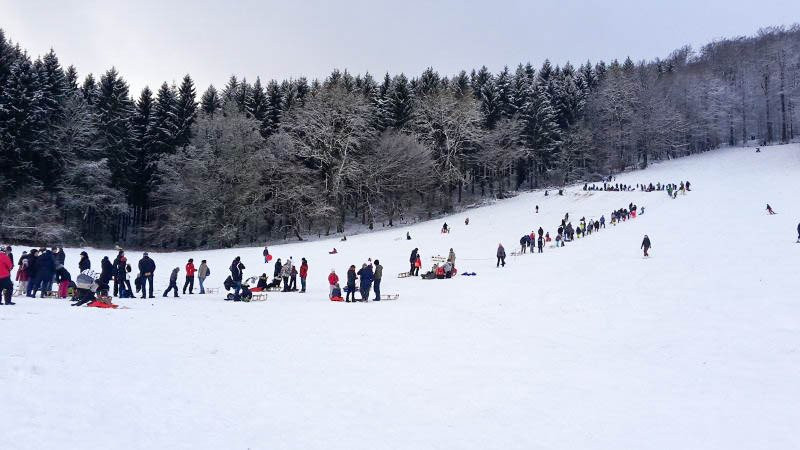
(587, 346)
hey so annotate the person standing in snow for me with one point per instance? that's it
(798, 232)
(147, 267)
(6, 286)
(293, 279)
(286, 270)
(451, 257)
(537, 209)
(769, 210)
(366, 276)
(351, 283)
(646, 245)
(190, 270)
(303, 274)
(173, 282)
(266, 254)
(237, 275)
(117, 271)
(524, 241)
(202, 273)
(412, 259)
(376, 286)
(501, 255)
(541, 243)
(417, 265)
(278, 267)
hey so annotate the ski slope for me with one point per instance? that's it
(586, 346)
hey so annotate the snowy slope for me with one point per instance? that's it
(588, 346)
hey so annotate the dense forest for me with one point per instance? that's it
(84, 160)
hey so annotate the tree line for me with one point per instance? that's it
(84, 162)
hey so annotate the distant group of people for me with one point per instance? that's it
(285, 274)
(645, 187)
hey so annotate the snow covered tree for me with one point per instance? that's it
(185, 111)
(114, 110)
(210, 103)
(163, 129)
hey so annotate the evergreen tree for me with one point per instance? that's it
(288, 95)
(71, 79)
(114, 110)
(301, 86)
(89, 90)
(229, 91)
(478, 80)
(20, 124)
(399, 103)
(429, 83)
(274, 108)
(541, 133)
(490, 107)
(186, 111)
(143, 164)
(163, 129)
(504, 93)
(460, 85)
(210, 103)
(259, 106)
(242, 96)
(520, 86)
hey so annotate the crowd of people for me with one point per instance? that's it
(671, 188)
(368, 277)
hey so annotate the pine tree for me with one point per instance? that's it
(114, 110)
(8, 55)
(520, 86)
(429, 83)
(71, 79)
(20, 124)
(504, 93)
(163, 128)
(541, 133)
(89, 90)
(274, 110)
(288, 95)
(399, 103)
(143, 164)
(229, 91)
(259, 106)
(242, 96)
(210, 103)
(301, 85)
(186, 111)
(478, 80)
(489, 104)
(460, 85)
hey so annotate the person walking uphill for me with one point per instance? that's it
(173, 282)
(202, 273)
(366, 276)
(147, 268)
(501, 255)
(190, 270)
(376, 286)
(413, 259)
(6, 286)
(646, 245)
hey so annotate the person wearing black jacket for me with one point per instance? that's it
(118, 271)
(236, 275)
(278, 267)
(45, 271)
(84, 263)
(147, 268)
(524, 242)
(351, 284)
(413, 259)
(798, 232)
(646, 245)
(33, 258)
(106, 273)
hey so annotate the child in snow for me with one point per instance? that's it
(769, 210)
(501, 255)
(173, 282)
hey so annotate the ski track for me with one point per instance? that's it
(587, 346)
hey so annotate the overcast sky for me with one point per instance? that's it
(154, 41)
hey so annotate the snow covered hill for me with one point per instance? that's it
(587, 346)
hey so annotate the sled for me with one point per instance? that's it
(390, 296)
(438, 259)
(212, 290)
(516, 253)
(274, 289)
(259, 297)
(403, 275)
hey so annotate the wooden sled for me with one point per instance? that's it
(212, 290)
(403, 275)
(390, 296)
(259, 297)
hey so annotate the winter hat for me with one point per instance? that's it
(145, 254)
(191, 260)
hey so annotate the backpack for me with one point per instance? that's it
(228, 283)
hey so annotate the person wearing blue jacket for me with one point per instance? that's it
(366, 275)
(45, 270)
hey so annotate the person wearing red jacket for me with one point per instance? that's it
(6, 286)
(190, 270)
(333, 280)
(303, 274)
